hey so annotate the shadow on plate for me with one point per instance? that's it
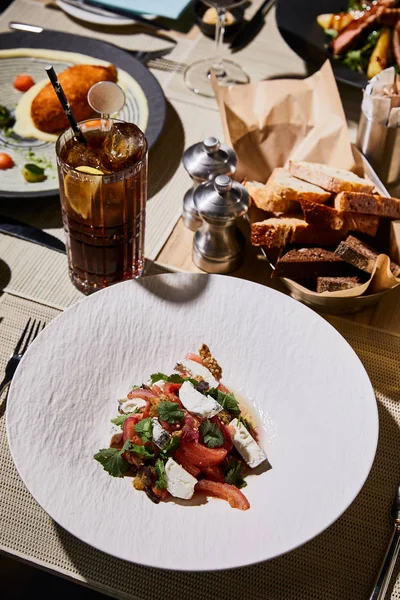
(178, 288)
(166, 155)
(340, 563)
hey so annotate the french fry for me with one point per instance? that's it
(336, 21)
(325, 20)
(380, 56)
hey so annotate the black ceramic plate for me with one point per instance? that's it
(297, 23)
(56, 40)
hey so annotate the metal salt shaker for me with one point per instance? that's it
(218, 245)
(204, 161)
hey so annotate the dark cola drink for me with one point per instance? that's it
(103, 190)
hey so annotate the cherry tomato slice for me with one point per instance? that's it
(227, 492)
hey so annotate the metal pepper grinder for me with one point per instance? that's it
(203, 161)
(218, 245)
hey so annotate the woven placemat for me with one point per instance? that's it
(340, 564)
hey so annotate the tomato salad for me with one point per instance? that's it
(184, 434)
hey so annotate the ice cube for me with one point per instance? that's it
(122, 146)
(80, 155)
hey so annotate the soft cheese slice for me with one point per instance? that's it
(128, 405)
(158, 383)
(200, 370)
(180, 483)
(197, 403)
(246, 445)
(161, 437)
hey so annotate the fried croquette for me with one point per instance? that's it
(46, 111)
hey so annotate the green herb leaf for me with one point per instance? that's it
(357, 60)
(158, 377)
(120, 420)
(174, 378)
(211, 434)
(170, 411)
(332, 33)
(112, 461)
(161, 482)
(141, 451)
(144, 429)
(5, 116)
(173, 444)
(227, 401)
(233, 474)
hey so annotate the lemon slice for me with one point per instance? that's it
(80, 192)
(90, 170)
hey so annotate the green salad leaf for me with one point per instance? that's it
(120, 420)
(357, 60)
(144, 429)
(174, 378)
(233, 474)
(173, 444)
(227, 401)
(161, 482)
(170, 411)
(211, 434)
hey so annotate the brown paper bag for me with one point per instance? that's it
(270, 122)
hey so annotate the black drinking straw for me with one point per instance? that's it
(65, 105)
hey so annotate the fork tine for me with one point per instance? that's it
(21, 339)
(28, 339)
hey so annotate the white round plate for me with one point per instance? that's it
(314, 399)
(108, 18)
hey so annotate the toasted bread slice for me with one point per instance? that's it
(305, 263)
(276, 232)
(361, 255)
(325, 217)
(279, 231)
(370, 204)
(282, 191)
(329, 178)
(336, 284)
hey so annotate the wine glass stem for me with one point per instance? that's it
(218, 65)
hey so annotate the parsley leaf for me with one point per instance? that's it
(227, 401)
(212, 436)
(120, 420)
(233, 474)
(173, 444)
(161, 482)
(144, 429)
(139, 450)
(112, 461)
(170, 411)
(158, 377)
(174, 378)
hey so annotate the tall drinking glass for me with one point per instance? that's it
(197, 75)
(103, 191)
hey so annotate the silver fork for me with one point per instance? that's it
(31, 331)
(154, 59)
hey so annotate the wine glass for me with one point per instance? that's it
(198, 75)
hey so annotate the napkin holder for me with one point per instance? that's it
(380, 144)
